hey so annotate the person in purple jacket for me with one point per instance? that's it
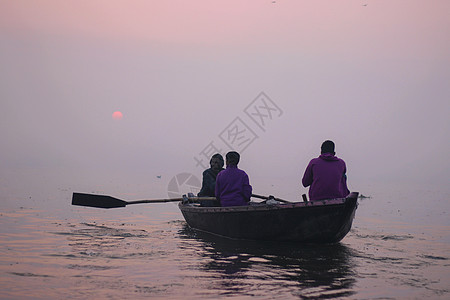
(232, 184)
(325, 175)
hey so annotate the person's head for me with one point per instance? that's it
(216, 162)
(327, 147)
(232, 158)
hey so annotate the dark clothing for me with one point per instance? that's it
(232, 187)
(209, 183)
(326, 177)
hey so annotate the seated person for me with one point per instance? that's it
(325, 175)
(232, 184)
(209, 176)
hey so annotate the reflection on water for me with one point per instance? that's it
(150, 252)
(255, 268)
(405, 265)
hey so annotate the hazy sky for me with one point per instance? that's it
(374, 76)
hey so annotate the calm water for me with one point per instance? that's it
(398, 249)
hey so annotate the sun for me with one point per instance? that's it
(117, 115)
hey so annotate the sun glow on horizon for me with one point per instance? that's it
(117, 115)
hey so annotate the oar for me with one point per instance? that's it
(102, 201)
(270, 197)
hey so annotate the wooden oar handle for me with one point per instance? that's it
(194, 199)
(270, 197)
(155, 201)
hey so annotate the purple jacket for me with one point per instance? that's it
(232, 187)
(326, 176)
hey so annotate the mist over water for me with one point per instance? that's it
(270, 79)
(371, 78)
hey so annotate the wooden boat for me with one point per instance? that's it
(324, 221)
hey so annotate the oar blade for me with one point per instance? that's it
(99, 201)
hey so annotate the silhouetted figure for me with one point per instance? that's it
(232, 184)
(209, 176)
(326, 175)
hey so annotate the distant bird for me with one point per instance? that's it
(364, 5)
(158, 176)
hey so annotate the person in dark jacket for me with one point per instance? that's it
(326, 175)
(232, 184)
(209, 176)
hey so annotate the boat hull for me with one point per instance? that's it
(326, 221)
